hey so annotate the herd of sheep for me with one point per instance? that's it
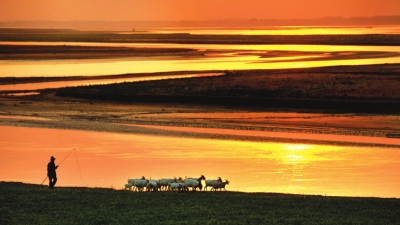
(175, 184)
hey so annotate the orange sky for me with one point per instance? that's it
(116, 10)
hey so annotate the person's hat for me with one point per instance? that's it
(52, 158)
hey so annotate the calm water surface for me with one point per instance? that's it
(283, 30)
(232, 60)
(108, 160)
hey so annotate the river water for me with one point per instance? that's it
(280, 30)
(232, 59)
(109, 159)
(215, 57)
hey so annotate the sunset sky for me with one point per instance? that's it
(117, 10)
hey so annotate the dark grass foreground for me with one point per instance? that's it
(35, 204)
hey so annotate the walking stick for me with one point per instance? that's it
(44, 180)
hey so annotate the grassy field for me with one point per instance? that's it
(35, 204)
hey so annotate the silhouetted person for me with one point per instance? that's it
(51, 172)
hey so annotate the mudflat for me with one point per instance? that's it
(43, 52)
(224, 102)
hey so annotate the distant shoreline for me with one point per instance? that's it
(67, 35)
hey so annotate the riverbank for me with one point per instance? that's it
(64, 35)
(53, 52)
(72, 205)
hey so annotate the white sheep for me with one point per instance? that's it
(179, 180)
(141, 184)
(152, 185)
(132, 181)
(220, 185)
(183, 187)
(192, 183)
(164, 182)
(128, 187)
(200, 185)
(176, 186)
(156, 181)
(210, 183)
(202, 177)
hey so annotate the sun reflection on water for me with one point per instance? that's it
(108, 158)
(296, 154)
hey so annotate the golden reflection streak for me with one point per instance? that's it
(296, 154)
(295, 159)
(285, 30)
(92, 67)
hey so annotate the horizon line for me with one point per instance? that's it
(215, 20)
